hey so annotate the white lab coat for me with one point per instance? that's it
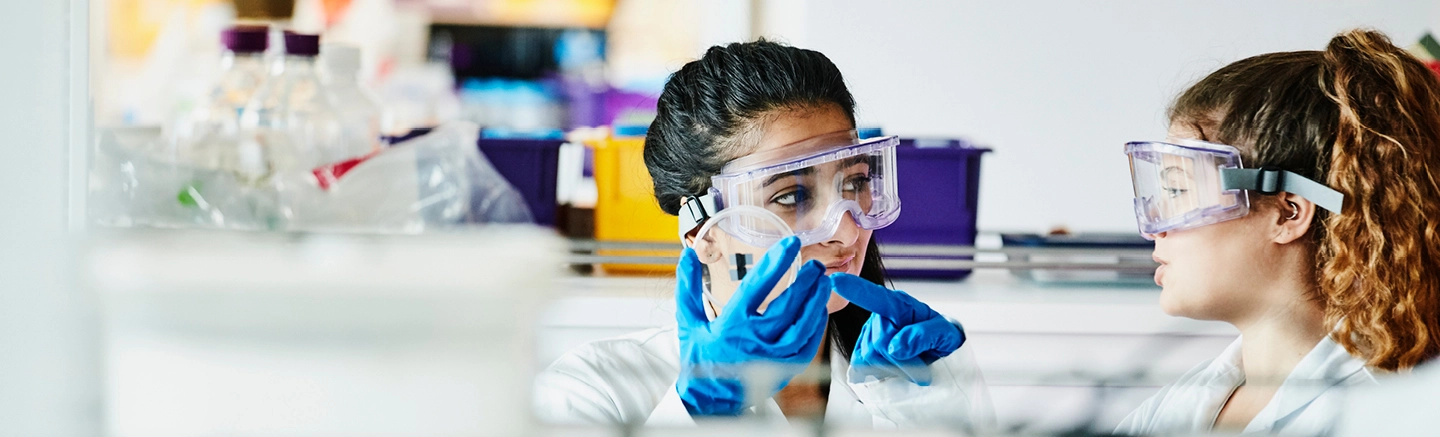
(1308, 402)
(631, 379)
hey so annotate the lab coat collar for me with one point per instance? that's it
(1220, 379)
(1326, 366)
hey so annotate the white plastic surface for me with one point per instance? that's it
(308, 335)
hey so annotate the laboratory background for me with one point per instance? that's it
(386, 217)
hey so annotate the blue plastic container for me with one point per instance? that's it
(531, 165)
(939, 183)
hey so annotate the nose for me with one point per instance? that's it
(845, 235)
(1157, 236)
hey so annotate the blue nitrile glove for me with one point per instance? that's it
(903, 335)
(788, 334)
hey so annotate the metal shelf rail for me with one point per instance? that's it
(905, 256)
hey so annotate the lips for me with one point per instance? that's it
(841, 265)
(1159, 271)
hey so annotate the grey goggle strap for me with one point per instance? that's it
(1267, 180)
(695, 211)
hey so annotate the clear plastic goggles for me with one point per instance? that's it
(811, 185)
(729, 259)
(1188, 184)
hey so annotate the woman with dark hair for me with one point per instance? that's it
(766, 132)
(1296, 200)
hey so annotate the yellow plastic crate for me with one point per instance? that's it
(626, 209)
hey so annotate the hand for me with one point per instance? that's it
(787, 336)
(903, 335)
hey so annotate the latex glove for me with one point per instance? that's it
(903, 335)
(787, 336)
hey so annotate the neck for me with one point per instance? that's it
(1276, 341)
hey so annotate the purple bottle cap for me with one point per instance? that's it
(299, 44)
(246, 39)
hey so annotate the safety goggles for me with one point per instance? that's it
(1188, 184)
(811, 185)
(728, 259)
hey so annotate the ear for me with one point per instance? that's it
(705, 249)
(1293, 219)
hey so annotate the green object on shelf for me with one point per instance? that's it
(188, 194)
(1431, 45)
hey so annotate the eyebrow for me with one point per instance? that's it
(854, 160)
(801, 172)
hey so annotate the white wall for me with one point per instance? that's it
(1056, 87)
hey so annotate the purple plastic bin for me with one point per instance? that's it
(939, 183)
(624, 107)
(531, 166)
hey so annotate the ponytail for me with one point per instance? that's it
(1380, 260)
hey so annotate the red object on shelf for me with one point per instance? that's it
(328, 174)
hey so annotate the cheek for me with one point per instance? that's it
(1209, 274)
(862, 248)
(1188, 290)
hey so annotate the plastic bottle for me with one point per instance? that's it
(359, 110)
(291, 125)
(208, 137)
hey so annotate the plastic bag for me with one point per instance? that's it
(438, 180)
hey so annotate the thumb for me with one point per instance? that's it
(689, 290)
(936, 336)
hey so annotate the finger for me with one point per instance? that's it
(934, 338)
(762, 279)
(802, 336)
(878, 300)
(799, 294)
(689, 290)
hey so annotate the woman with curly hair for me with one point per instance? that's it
(1296, 199)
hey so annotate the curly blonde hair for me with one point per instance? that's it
(1364, 116)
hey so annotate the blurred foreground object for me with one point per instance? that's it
(253, 334)
(1403, 404)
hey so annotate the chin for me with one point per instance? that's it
(1175, 303)
(836, 303)
(1171, 304)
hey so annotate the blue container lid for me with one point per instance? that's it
(866, 133)
(512, 134)
(631, 131)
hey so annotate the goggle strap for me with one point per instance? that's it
(1266, 180)
(695, 211)
(743, 261)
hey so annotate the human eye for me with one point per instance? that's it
(1176, 182)
(790, 198)
(856, 183)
